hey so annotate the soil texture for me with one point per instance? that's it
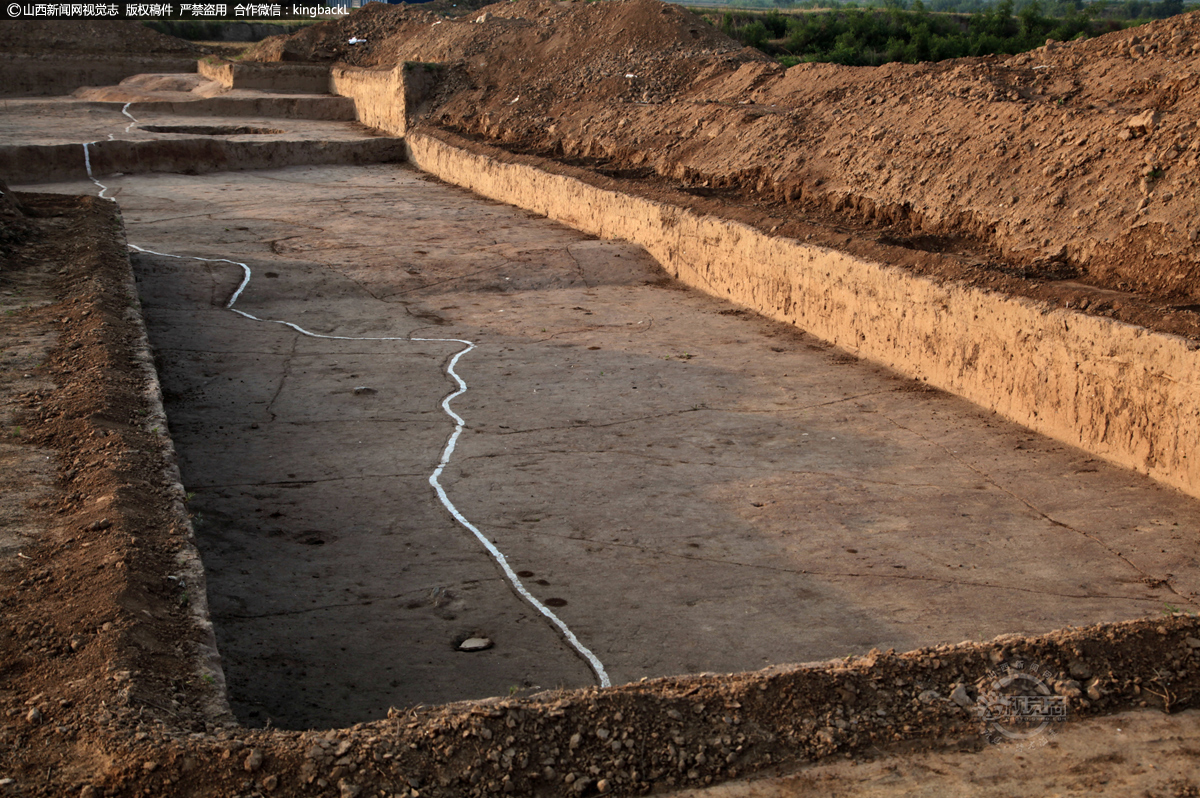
(1066, 174)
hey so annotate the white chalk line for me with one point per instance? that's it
(87, 158)
(87, 164)
(434, 478)
(592, 660)
(132, 121)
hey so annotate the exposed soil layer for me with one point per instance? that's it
(100, 693)
(1066, 174)
(57, 57)
(1124, 754)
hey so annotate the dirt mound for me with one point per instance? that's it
(1072, 164)
(110, 38)
(375, 23)
(543, 52)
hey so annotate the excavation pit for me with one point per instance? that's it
(701, 496)
(690, 488)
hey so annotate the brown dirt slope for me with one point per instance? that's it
(94, 624)
(107, 38)
(1074, 162)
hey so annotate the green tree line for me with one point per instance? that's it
(872, 36)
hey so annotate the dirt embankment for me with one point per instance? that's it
(109, 38)
(1073, 163)
(56, 57)
(96, 620)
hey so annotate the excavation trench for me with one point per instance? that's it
(689, 487)
(407, 417)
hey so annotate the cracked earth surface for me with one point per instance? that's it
(691, 488)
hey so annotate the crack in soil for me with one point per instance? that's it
(1145, 575)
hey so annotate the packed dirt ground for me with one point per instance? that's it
(1066, 174)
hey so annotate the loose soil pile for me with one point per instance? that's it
(1066, 174)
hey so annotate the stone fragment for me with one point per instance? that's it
(34, 716)
(1142, 124)
(959, 696)
(253, 761)
(475, 644)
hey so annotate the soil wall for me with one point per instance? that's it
(384, 97)
(1121, 392)
(36, 163)
(338, 109)
(277, 77)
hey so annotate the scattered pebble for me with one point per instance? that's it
(475, 644)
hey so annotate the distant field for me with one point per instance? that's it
(871, 36)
